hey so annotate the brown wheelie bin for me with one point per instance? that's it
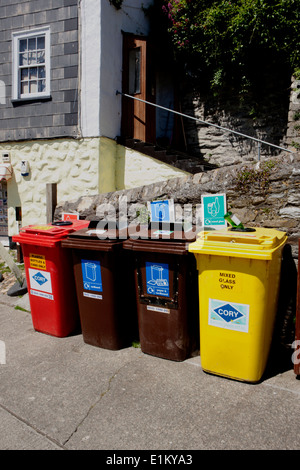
(166, 292)
(105, 290)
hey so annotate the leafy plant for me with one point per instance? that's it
(231, 43)
(143, 215)
(247, 177)
(297, 116)
(296, 145)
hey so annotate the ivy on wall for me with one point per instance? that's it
(233, 43)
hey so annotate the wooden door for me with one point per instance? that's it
(138, 118)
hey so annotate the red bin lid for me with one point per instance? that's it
(48, 234)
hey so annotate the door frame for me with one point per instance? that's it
(138, 118)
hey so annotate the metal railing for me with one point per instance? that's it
(259, 141)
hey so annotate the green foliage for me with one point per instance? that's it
(247, 177)
(230, 42)
(296, 145)
(297, 116)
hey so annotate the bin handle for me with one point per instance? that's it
(246, 229)
(62, 222)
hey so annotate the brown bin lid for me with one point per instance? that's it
(94, 238)
(171, 239)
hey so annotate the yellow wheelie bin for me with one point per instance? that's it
(238, 282)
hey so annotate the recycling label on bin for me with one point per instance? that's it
(37, 261)
(91, 275)
(157, 279)
(228, 315)
(40, 283)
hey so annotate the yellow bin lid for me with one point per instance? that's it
(260, 243)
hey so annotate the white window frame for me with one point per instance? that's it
(16, 88)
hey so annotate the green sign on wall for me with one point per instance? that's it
(213, 211)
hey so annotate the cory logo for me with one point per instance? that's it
(228, 313)
(39, 278)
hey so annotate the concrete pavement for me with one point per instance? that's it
(60, 393)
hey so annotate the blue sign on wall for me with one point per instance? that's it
(91, 275)
(161, 211)
(157, 279)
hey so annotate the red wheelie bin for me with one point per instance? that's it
(50, 278)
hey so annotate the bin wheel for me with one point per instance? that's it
(62, 222)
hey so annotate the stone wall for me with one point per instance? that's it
(293, 126)
(261, 195)
(274, 119)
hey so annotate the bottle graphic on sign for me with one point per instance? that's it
(160, 212)
(156, 277)
(213, 208)
(90, 271)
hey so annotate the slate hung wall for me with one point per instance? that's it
(39, 95)
(57, 115)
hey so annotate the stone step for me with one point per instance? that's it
(178, 159)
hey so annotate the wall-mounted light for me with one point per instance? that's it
(24, 168)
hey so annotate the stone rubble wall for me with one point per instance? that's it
(278, 122)
(270, 200)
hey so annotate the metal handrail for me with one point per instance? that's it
(259, 141)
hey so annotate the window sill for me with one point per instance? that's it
(36, 98)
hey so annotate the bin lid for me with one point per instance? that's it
(48, 234)
(259, 243)
(97, 237)
(171, 239)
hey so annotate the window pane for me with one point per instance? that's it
(33, 87)
(24, 74)
(137, 78)
(23, 59)
(41, 42)
(33, 73)
(24, 88)
(134, 70)
(41, 57)
(32, 58)
(42, 85)
(42, 72)
(32, 44)
(23, 45)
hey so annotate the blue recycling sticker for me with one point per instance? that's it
(157, 279)
(229, 315)
(91, 275)
(40, 278)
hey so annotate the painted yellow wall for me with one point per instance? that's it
(75, 166)
(107, 165)
(134, 169)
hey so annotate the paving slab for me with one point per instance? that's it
(63, 394)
